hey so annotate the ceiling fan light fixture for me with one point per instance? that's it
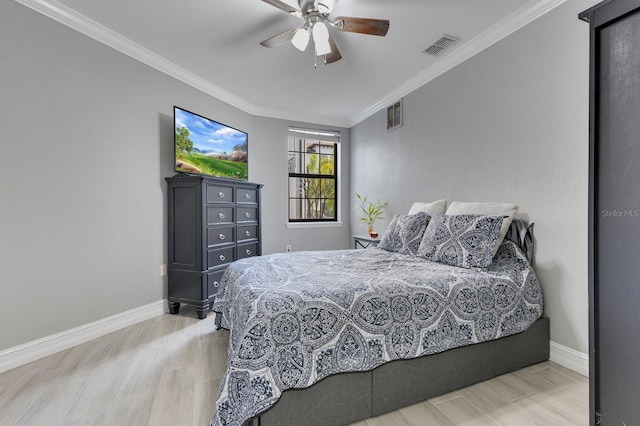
(325, 6)
(301, 39)
(321, 39)
(315, 14)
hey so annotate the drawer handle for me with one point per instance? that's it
(247, 214)
(248, 252)
(221, 236)
(221, 194)
(222, 258)
(216, 284)
(247, 196)
(247, 233)
(221, 215)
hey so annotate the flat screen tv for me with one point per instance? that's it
(206, 147)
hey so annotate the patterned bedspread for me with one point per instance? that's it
(295, 318)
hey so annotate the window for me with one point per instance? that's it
(313, 180)
(394, 115)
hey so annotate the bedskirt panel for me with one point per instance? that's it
(402, 383)
(350, 397)
(328, 402)
(522, 349)
(406, 382)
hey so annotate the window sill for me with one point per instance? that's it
(294, 225)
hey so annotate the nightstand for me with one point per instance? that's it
(364, 241)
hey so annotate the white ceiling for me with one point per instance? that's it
(214, 46)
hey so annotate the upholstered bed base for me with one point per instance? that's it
(349, 397)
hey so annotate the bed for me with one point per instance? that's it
(334, 337)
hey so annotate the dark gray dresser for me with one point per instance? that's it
(212, 222)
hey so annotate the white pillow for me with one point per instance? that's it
(487, 209)
(437, 207)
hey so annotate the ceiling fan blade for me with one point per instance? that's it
(335, 55)
(283, 6)
(377, 27)
(279, 39)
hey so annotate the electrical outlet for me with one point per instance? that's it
(288, 247)
(163, 269)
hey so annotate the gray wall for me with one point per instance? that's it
(87, 139)
(508, 125)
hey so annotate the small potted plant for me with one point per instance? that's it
(370, 212)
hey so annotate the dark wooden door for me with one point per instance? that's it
(615, 212)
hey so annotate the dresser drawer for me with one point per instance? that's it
(219, 194)
(247, 214)
(247, 195)
(219, 214)
(249, 232)
(213, 282)
(247, 250)
(216, 236)
(217, 257)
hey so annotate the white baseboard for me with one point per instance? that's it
(34, 350)
(569, 358)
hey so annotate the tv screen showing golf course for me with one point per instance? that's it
(206, 147)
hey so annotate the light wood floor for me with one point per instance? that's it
(166, 371)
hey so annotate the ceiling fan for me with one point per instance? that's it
(316, 25)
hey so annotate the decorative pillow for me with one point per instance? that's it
(462, 240)
(405, 233)
(521, 232)
(434, 208)
(494, 209)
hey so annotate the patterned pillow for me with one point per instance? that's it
(461, 240)
(405, 233)
(486, 209)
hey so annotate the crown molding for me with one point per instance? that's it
(523, 16)
(84, 25)
(301, 117)
(72, 19)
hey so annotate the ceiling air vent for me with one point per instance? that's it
(441, 44)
